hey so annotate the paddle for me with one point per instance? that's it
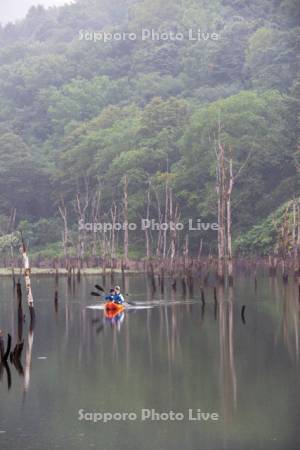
(96, 294)
(100, 288)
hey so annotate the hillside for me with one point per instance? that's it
(78, 113)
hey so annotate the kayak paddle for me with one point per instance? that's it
(100, 288)
(96, 294)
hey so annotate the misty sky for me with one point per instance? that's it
(10, 10)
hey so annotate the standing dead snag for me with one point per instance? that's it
(296, 238)
(228, 212)
(125, 221)
(65, 233)
(81, 207)
(113, 213)
(147, 238)
(10, 230)
(225, 181)
(26, 266)
(220, 188)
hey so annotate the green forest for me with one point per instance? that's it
(78, 115)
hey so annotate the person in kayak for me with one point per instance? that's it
(118, 297)
(110, 297)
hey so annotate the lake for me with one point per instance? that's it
(175, 375)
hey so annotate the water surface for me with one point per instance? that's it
(175, 356)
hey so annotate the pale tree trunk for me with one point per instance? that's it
(81, 207)
(147, 238)
(186, 252)
(295, 237)
(220, 189)
(298, 243)
(229, 237)
(166, 220)
(95, 218)
(126, 238)
(285, 245)
(26, 267)
(224, 185)
(65, 233)
(159, 238)
(113, 213)
(29, 296)
(11, 230)
(173, 220)
(200, 249)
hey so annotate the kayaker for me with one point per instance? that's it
(118, 297)
(111, 295)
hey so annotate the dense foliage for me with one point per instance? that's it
(75, 111)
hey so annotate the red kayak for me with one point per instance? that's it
(114, 307)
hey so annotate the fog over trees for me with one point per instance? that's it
(17, 9)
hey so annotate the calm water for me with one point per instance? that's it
(171, 357)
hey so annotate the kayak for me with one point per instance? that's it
(114, 315)
(114, 308)
(138, 305)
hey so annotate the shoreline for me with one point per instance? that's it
(4, 272)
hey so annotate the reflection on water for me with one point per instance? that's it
(235, 353)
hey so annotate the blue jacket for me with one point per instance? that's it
(118, 298)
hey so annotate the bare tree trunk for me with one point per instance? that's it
(166, 220)
(11, 230)
(295, 238)
(200, 249)
(81, 209)
(126, 239)
(220, 188)
(171, 222)
(159, 238)
(113, 213)
(186, 252)
(26, 266)
(95, 218)
(229, 237)
(147, 238)
(65, 233)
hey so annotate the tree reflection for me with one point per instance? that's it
(228, 380)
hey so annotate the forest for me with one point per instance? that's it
(123, 130)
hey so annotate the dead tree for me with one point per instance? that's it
(160, 217)
(296, 237)
(27, 271)
(166, 218)
(65, 233)
(225, 180)
(125, 212)
(95, 214)
(173, 220)
(229, 237)
(81, 208)
(285, 244)
(11, 228)
(220, 189)
(147, 237)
